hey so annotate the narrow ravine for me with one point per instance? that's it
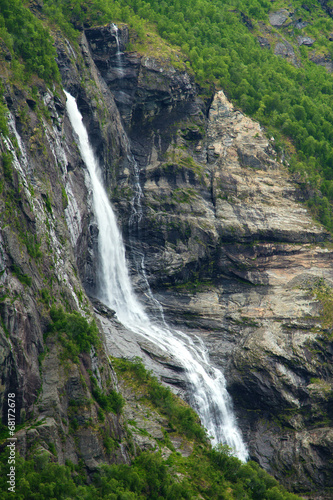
(208, 394)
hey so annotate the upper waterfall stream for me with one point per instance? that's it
(208, 388)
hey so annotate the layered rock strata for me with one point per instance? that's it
(47, 232)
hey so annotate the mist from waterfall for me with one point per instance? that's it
(208, 394)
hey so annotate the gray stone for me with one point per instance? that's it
(264, 42)
(305, 40)
(300, 24)
(286, 50)
(227, 244)
(278, 18)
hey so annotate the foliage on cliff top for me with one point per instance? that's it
(27, 41)
(150, 44)
(220, 40)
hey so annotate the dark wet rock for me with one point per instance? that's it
(39, 258)
(5, 51)
(246, 20)
(229, 250)
(101, 308)
(161, 356)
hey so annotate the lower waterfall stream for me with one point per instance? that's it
(208, 394)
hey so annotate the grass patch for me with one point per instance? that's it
(324, 294)
(23, 278)
(7, 160)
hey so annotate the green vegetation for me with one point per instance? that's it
(23, 278)
(28, 41)
(113, 401)
(184, 195)
(64, 198)
(7, 165)
(33, 246)
(220, 40)
(324, 294)
(74, 332)
(179, 414)
(48, 204)
(294, 103)
(207, 474)
(3, 115)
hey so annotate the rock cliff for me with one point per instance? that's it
(229, 251)
(47, 233)
(234, 257)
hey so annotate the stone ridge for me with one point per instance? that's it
(252, 193)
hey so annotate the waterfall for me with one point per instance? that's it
(207, 384)
(115, 31)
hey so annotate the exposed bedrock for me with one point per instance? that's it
(232, 255)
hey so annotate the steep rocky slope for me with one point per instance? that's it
(47, 231)
(230, 251)
(235, 258)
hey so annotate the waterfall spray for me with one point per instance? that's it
(207, 384)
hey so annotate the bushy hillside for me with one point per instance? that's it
(232, 45)
(162, 474)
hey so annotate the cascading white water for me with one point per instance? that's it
(207, 384)
(115, 31)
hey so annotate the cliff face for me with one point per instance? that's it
(47, 232)
(262, 318)
(233, 257)
(230, 251)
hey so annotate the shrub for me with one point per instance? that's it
(109, 402)
(75, 333)
(180, 415)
